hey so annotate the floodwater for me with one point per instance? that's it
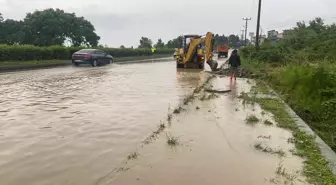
(73, 125)
(215, 146)
(77, 126)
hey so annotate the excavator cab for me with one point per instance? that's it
(186, 41)
(195, 51)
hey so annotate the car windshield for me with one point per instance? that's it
(85, 51)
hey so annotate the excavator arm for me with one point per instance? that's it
(208, 41)
(192, 49)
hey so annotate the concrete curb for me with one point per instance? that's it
(326, 151)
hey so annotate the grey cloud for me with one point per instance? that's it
(125, 21)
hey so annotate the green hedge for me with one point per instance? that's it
(29, 52)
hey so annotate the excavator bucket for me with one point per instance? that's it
(213, 65)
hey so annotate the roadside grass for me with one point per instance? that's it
(316, 167)
(246, 99)
(260, 87)
(309, 87)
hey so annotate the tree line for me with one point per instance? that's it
(51, 27)
(145, 42)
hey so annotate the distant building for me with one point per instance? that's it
(272, 34)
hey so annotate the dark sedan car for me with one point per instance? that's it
(95, 57)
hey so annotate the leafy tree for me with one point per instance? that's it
(220, 40)
(122, 47)
(300, 25)
(11, 32)
(1, 18)
(145, 43)
(175, 43)
(159, 44)
(49, 27)
(233, 40)
(317, 25)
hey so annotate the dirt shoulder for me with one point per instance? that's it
(223, 138)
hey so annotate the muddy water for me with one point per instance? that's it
(216, 147)
(74, 125)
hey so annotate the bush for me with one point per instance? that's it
(29, 52)
(310, 90)
(306, 77)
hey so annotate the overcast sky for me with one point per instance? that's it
(123, 22)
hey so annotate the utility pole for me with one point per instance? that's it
(242, 35)
(246, 19)
(258, 25)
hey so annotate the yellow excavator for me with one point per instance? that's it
(195, 51)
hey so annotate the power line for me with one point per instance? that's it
(246, 21)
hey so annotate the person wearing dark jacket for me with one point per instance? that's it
(234, 63)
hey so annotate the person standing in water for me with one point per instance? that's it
(234, 63)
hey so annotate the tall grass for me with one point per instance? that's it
(302, 69)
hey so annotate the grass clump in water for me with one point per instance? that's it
(171, 140)
(267, 122)
(133, 156)
(265, 137)
(162, 126)
(247, 100)
(281, 171)
(178, 110)
(252, 119)
(260, 147)
(169, 118)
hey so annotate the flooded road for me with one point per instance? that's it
(72, 125)
(215, 145)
